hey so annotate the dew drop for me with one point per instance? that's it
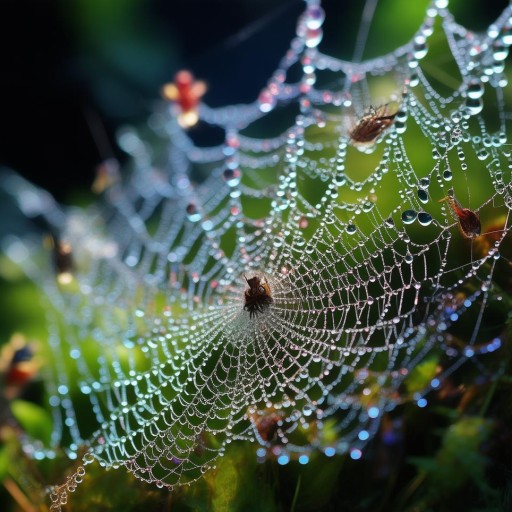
(355, 454)
(414, 80)
(447, 175)
(506, 35)
(499, 50)
(482, 154)
(474, 106)
(424, 218)
(420, 47)
(367, 206)
(266, 100)
(314, 17)
(475, 90)
(423, 196)
(312, 37)
(232, 177)
(409, 216)
(424, 183)
(193, 214)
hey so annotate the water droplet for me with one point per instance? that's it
(356, 453)
(363, 435)
(424, 183)
(312, 37)
(340, 180)
(482, 154)
(207, 225)
(423, 196)
(389, 222)
(367, 206)
(266, 100)
(506, 35)
(193, 214)
(330, 451)
(499, 50)
(303, 459)
(474, 106)
(447, 175)
(414, 80)
(314, 17)
(475, 90)
(283, 459)
(350, 229)
(409, 216)
(420, 47)
(232, 177)
(424, 218)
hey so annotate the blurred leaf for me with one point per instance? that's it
(421, 375)
(4, 463)
(34, 420)
(460, 460)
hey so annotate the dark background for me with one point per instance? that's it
(73, 71)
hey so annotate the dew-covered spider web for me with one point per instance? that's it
(369, 273)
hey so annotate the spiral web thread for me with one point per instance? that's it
(369, 273)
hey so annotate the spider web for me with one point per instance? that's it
(369, 273)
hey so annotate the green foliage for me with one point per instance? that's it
(421, 375)
(33, 419)
(459, 459)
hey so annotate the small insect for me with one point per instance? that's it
(371, 125)
(186, 92)
(469, 222)
(258, 297)
(17, 366)
(62, 258)
(107, 173)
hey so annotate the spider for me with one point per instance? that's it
(469, 222)
(258, 296)
(62, 258)
(371, 125)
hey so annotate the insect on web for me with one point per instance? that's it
(367, 270)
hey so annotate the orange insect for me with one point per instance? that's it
(186, 92)
(374, 122)
(469, 221)
(107, 173)
(17, 366)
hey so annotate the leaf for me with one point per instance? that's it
(34, 420)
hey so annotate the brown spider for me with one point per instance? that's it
(371, 125)
(62, 257)
(469, 222)
(258, 296)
